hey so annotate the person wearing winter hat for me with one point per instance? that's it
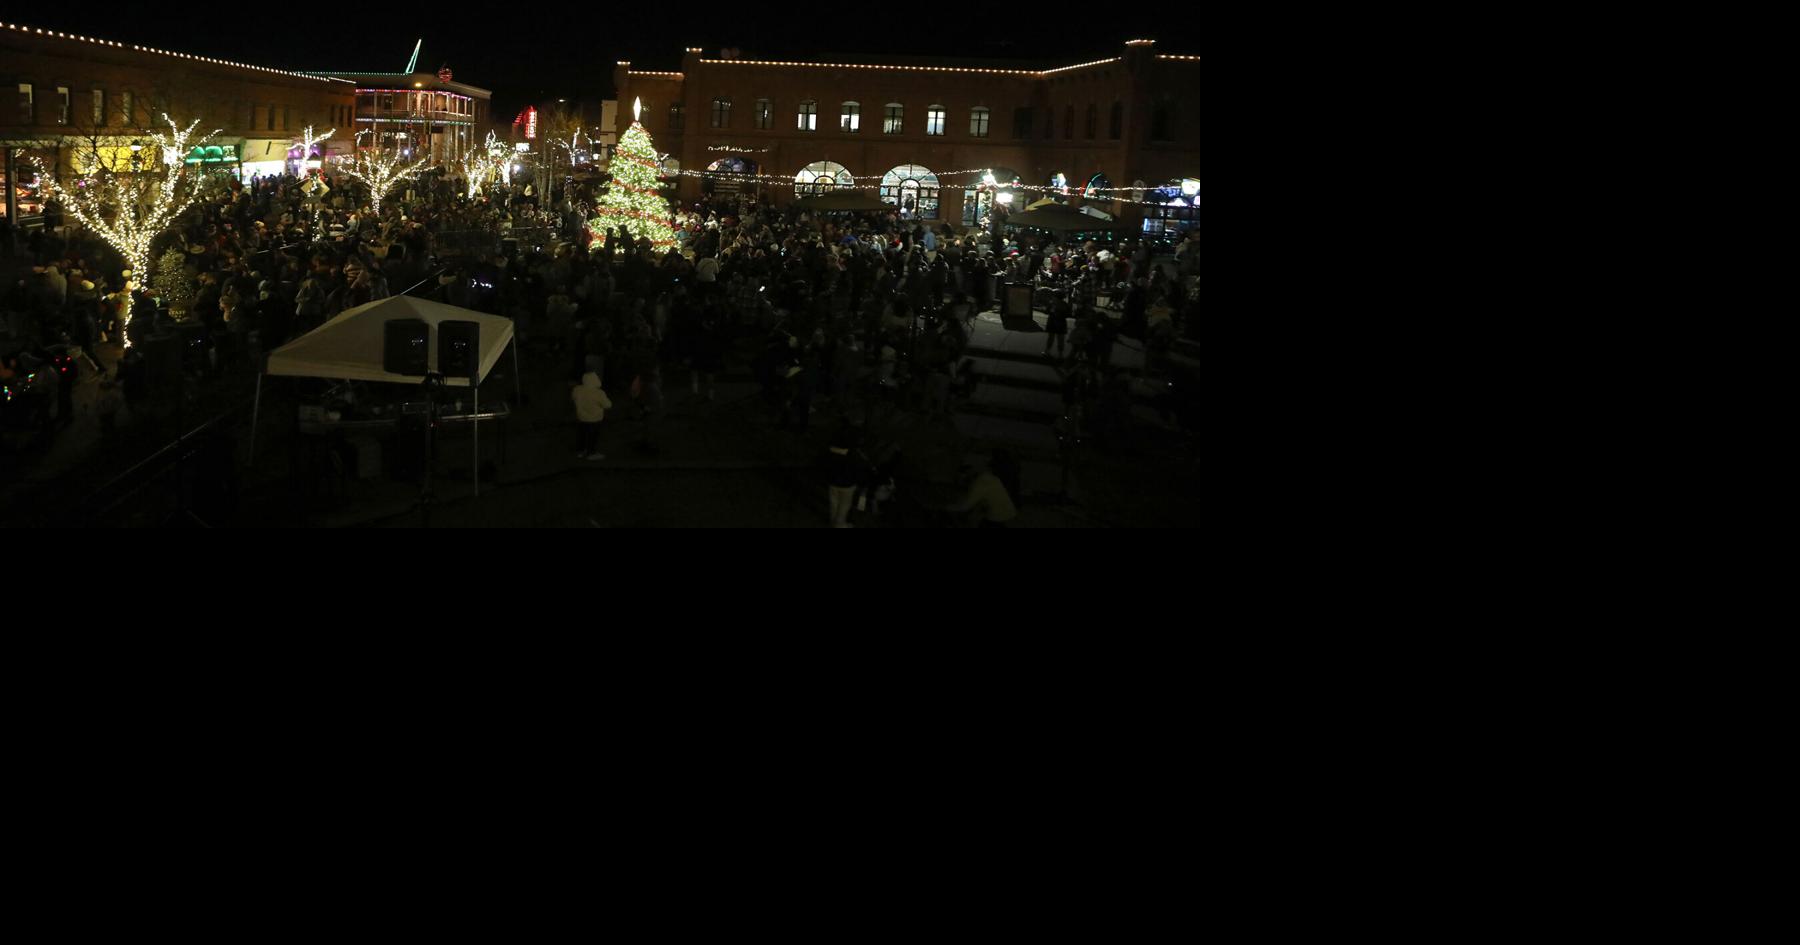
(591, 405)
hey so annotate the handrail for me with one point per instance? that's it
(175, 452)
(428, 279)
(149, 468)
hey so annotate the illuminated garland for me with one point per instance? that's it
(1098, 193)
(788, 179)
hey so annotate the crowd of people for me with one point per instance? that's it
(838, 317)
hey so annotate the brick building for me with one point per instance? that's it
(926, 135)
(423, 114)
(67, 96)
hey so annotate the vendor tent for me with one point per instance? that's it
(1063, 219)
(349, 347)
(845, 200)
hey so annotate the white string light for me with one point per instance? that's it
(162, 52)
(381, 172)
(1097, 193)
(984, 171)
(129, 210)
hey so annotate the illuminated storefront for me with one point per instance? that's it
(913, 189)
(1174, 210)
(999, 187)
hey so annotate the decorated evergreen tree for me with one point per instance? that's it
(173, 282)
(631, 201)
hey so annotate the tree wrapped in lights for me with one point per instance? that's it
(481, 164)
(307, 142)
(631, 201)
(129, 202)
(381, 171)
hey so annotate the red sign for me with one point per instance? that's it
(531, 124)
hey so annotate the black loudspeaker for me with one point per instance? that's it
(406, 347)
(459, 349)
(162, 363)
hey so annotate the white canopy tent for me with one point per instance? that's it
(350, 348)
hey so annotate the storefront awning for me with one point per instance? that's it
(266, 149)
(215, 153)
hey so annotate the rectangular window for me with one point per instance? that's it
(978, 123)
(99, 108)
(1118, 120)
(1093, 122)
(721, 114)
(677, 117)
(1069, 123)
(896, 120)
(934, 120)
(27, 105)
(809, 116)
(62, 105)
(852, 118)
(127, 108)
(271, 118)
(286, 118)
(1049, 123)
(765, 114)
(1022, 122)
(1162, 123)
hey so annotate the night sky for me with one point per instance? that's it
(510, 56)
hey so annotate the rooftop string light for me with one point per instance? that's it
(161, 52)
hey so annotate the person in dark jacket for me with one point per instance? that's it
(845, 470)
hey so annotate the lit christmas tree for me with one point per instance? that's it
(173, 283)
(631, 201)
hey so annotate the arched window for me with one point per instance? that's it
(913, 189)
(765, 114)
(896, 119)
(934, 120)
(1118, 120)
(850, 119)
(978, 122)
(821, 177)
(809, 116)
(1093, 122)
(721, 113)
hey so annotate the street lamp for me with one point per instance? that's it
(137, 156)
